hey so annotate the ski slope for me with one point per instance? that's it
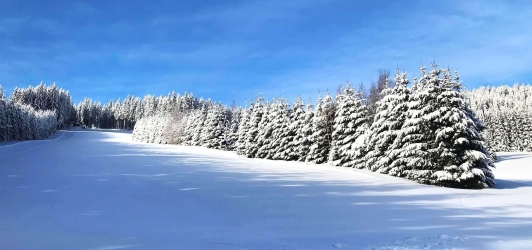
(97, 190)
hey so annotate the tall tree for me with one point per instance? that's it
(322, 125)
(442, 144)
(349, 123)
(255, 118)
(376, 90)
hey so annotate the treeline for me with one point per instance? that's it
(507, 112)
(124, 114)
(50, 98)
(190, 126)
(427, 133)
(34, 113)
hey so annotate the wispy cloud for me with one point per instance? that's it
(247, 14)
(487, 45)
(236, 49)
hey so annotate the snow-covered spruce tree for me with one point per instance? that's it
(357, 150)
(138, 131)
(151, 129)
(243, 129)
(150, 105)
(20, 129)
(257, 112)
(506, 112)
(20, 121)
(297, 125)
(276, 137)
(442, 144)
(398, 99)
(322, 125)
(236, 118)
(264, 135)
(318, 133)
(413, 159)
(351, 114)
(282, 134)
(186, 137)
(391, 113)
(463, 160)
(214, 127)
(303, 140)
(45, 97)
(198, 125)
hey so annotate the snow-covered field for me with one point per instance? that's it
(97, 190)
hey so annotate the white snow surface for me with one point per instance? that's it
(98, 190)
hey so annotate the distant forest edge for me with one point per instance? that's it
(35, 113)
(433, 132)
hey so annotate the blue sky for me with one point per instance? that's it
(227, 50)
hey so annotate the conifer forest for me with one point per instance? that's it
(428, 129)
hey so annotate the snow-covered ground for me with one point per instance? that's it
(97, 190)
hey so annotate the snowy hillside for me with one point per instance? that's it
(105, 192)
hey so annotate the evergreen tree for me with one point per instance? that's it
(256, 115)
(282, 135)
(236, 119)
(441, 142)
(354, 153)
(243, 131)
(297, 126)
(415, 160)
(264, 135)
(198, 125)
(214, 128)
(188, 132)
(322, 130)
(305, 134)
(390, 116)
(350, 115)
(462, 159)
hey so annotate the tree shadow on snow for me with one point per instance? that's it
(292, 202)
(511, 184)
(122, 131)
(516, 156)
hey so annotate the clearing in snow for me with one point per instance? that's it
(89, 189)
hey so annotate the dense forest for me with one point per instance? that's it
(35, 112)
(427, 132)
(507, 111)
(430, 130)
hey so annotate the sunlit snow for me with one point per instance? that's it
(98, 190)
